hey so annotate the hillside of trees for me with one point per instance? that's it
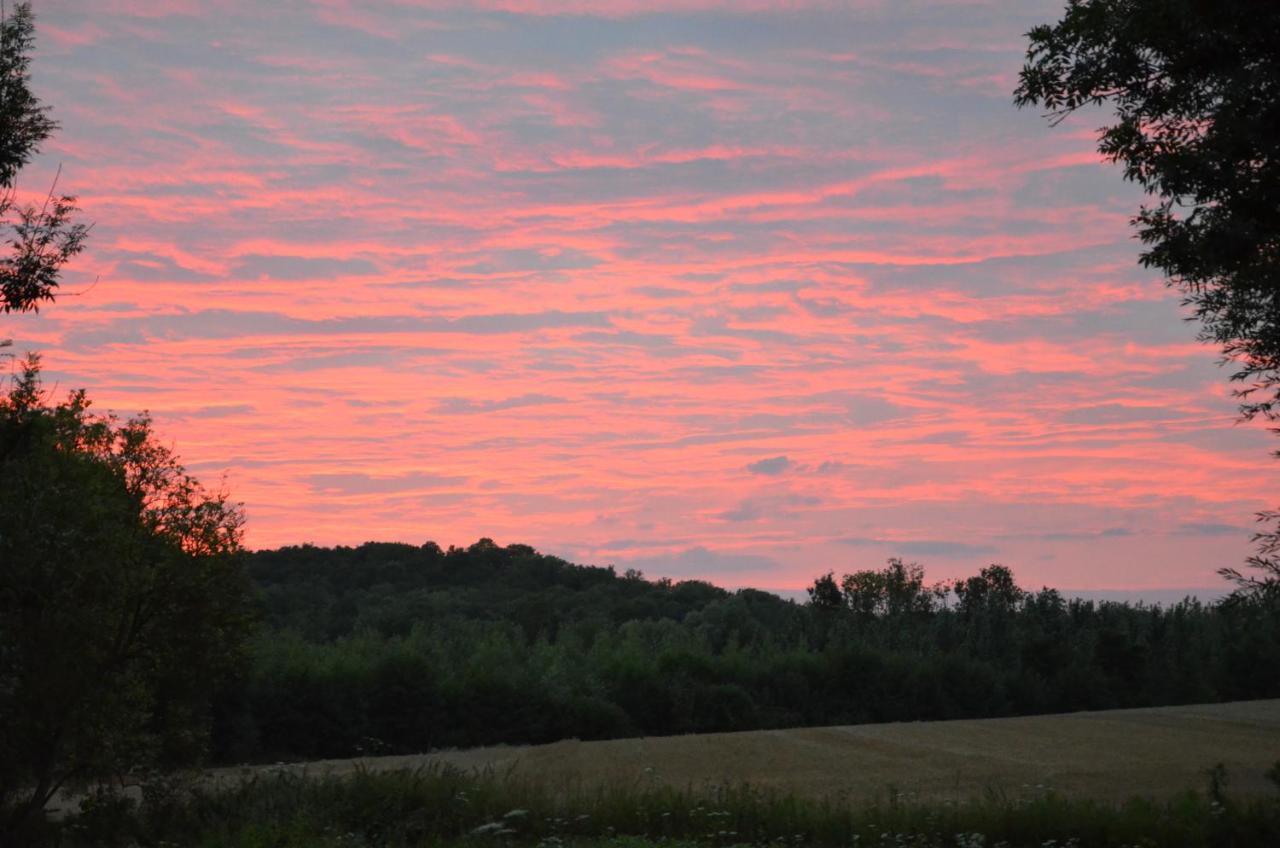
(390, 648)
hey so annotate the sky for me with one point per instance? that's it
(729, 289)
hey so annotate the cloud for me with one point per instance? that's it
(161, 268)
(554, 272)
(624, 544)
(660, 292)
(923, 547)
(225, 410)
(520, 322)
(357, 483)
(745, 511)
(772, 466)
(1081, 535)
(282, 267)
(1193, 528)
(698, 561)
(767, 506)
(326, 359)
(235, 323)
(1115, 413)
(525, 259)
(468, 406)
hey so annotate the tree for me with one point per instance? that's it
(824, 594)
(897, 589)
(123, 599)
(993, 588)
(42, 238)
(1195, 85)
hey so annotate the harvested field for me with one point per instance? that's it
(1110, 755)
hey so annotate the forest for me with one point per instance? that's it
(392, 648)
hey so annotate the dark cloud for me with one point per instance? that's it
(1076, 536)
(855, 408)
(623, 544)
(660, 292)
(323, 361)
(468, 406)
(502, 261)
(746, 511)
(772, 466)
(520, 322)
(767, 506)
(1209, 529)
(148, 267)
(1117, 413)
(216, 411)
(923, 547)
(656, 343)
(279, 267)
(824, 307)
(700, 560)
(366, 484)
(231, 323)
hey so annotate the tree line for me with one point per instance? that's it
(388, 648)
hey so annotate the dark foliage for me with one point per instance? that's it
(443, 807)
(1195, 85)
(1196, 89)
(41, 238)
(122, 600)
(395, 648)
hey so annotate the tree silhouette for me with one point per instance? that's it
(1195, 85)
(41, 238)
(123, 600)
(993, 588)
(825, 593)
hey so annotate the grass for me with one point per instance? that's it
(439, 805)
(1120, 778)
(1106, 755)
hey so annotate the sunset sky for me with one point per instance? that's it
(730, 289)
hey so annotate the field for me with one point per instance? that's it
(1111, 755)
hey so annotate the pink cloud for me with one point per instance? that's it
(448, 277)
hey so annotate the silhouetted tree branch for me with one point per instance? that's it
(1195, 87)
(41, 239)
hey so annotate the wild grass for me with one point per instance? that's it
(438, 806)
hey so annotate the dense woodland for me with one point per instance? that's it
(390, 648)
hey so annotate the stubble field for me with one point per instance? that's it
(1108, 755)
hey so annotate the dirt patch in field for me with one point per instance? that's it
(1114, 754)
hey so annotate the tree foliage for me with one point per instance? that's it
(398, 648)
(1196, 90)
(825, 593)
(1195, 85)
(897, 589)
(123, 600)
(993, 588)
(41, 238)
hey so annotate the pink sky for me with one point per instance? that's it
(741, 291)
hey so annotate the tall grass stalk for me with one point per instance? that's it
(438, 805)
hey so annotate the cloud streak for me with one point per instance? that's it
(749, 287)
